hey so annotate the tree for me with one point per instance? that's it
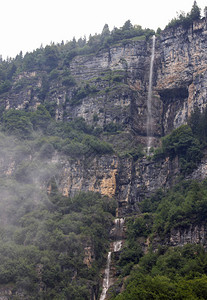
(194, 121)
(158, 30)
(81, 42)
(16, 122)
(198, 124)
(205, 12)
(105, 35)
(182, 143)
(186, 20)
(105, 31)
(51, 57)
(127, 25)
(195, 12)
(41, 118)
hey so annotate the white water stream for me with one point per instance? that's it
(149, 100)
(116, 246)
(106, 277)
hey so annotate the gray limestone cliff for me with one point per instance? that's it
(114, 83)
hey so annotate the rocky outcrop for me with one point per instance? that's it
(190, 235)
(179, 236)
(181, 77)
(97, 174)
(128, 181)
(5, 293)
(11, 292)
(89, 255)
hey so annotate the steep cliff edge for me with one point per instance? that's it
(109, 90)
(181, 76)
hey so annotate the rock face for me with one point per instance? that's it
(180, 236)
(98, 175)
(191, 235)
(182, 73)
(111, 88)
(116, 80)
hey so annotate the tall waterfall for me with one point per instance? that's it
(106, 277)
(117, 233)
(149, 99)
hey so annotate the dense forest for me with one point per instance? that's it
(54, 246)
(43, 236)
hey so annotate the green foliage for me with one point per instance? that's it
(51, 107)
(41, 118)
(195, 12)
(5, 86)
(178, 273)
(112, 127)
(74, 139)
(167, 273)
(53, 56)
(44, 88)
(139, 226)
(68, 81)
(186, 20)
(81, 92)
(16, 264)
(50, 57)
(205, 11)
(17, 122)
(97, 146)
(42, 239)
(183, 205)
(7, 70)
(198, 124)
(135, 153)
(178, 142)
(130, 256)
(54, 74)
(181, 142)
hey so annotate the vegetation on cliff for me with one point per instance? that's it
(186, 20)
(186, 142)
(164, 272)
(184, 145)
(178, 273)
(73, 139)
(52, 57)
(51, 247)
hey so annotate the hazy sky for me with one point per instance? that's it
(26, 24)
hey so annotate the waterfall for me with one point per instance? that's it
(106, 277)
(116, 246)
(118, 233)
(149, 99)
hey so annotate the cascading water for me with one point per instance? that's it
(106, 280)
(117, 233)
(149, 100)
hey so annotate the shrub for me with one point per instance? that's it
(68, 81)
(5, 86)
(18, 123)
(182, 143)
